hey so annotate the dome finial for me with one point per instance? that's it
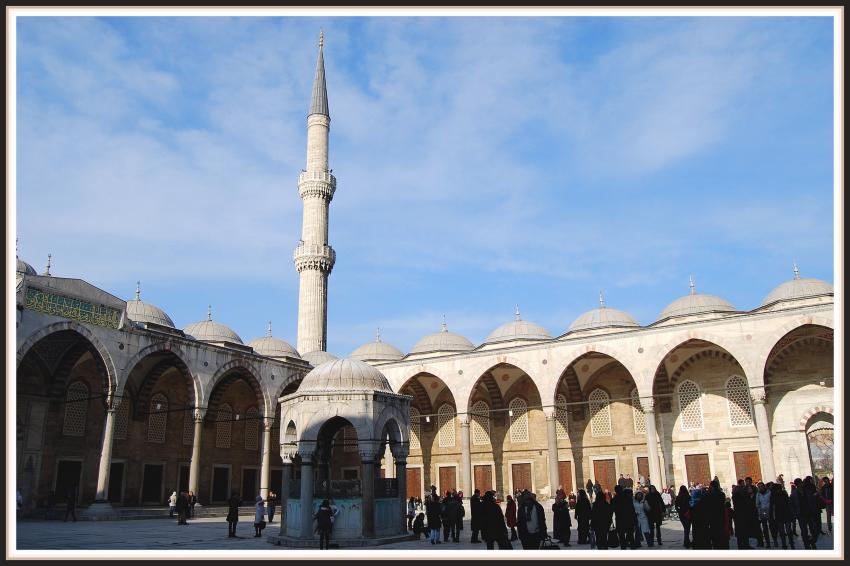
(601, 300)
(796, 270)
(445, 328)
(378, 334)
(16, 247)
(518, 316)
(270, 329)
(321, 38)
(209, 312)
(47, 269)
(691, 285)
(138, 290)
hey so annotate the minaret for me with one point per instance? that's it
(314, 258)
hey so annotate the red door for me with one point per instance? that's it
(747, 464)
(697, 468)
(643, 469)
(448, 480)
(414, 482)
(605, 472)
(483, 478)
(521, 476)
(565, 476)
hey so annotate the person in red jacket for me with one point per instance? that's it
(510, 516)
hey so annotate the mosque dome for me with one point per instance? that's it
(604, 317)
(377, 351)
(25, 268)
(798, 288)
(442, 341)
(318, 357)
(272, 347)
(345, 374)
(210, 331)
(696, 303)
(140, 311)
(518, 330)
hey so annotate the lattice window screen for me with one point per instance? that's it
(223, 426)
(561, 418)
(76, 407)
(252, 428)
(690, 406)
(122, 420)
(446, 422)
(637, 413)
(480, 423)
(600, 410)
(188, 427)
(519, 420)
(415, 429)
(157, 418)
(349, 437)
(739, 402)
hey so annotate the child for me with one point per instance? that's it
(419, 525)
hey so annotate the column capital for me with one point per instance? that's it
(647, 404)
(550, 413)
(464, 419)
(759, 395)
(199, 413)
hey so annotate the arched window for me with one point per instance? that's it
(446, 423)
(76, 407)
(738, 401)
(561, 418)
(637, 413)
(414, 428)
(157, 418)
(291, 436)
(821, 438)
(223, 426)
(480, 423)
(519, 420)
(188, 427)
(600, 411)
(122, 419)
(349, 438)
(252, 428)
(690, 405)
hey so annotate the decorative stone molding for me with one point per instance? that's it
(311, 256)
(812, 412)
(316, 184)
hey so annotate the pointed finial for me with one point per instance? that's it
(321, 38)
(601, 300)
(378, 334)
(209, 312)
(138, 290)
(691, 285)
(796, 270)
(270, 329)
(518, 316)
(445, 328)
(47, 270)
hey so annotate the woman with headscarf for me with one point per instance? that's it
(432, 512)
(582, 516)
(561, 522)
(600, 520)
(642, 527)
(683, 508)
(700, 520)
(492, 523)
(510, 516)
(232, 514)
(259, 516)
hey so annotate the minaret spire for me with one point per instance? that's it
(209, 312)
(601, 300)
(796, 270)
(270, 329)
(516, 314)
(47, 269)
(319, 99)
(138, 290)
(691, 285)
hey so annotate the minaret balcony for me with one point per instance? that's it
(314, 256)
(320, 184)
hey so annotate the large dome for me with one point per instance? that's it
(344, 375)
(442, 341)
(140, 311)
(518, 330)
(318, 357)
(798, 289)
(696, 303)
(211, 331)
(604, 317)
(377, 351)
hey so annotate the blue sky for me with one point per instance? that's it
(481, 162)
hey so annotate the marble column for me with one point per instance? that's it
(401, 475)
(284, 494)
(368, 493)
(102, 494)
(306, 496)
(768, 470)
(552, 437)
(648, 406)
(195, 464)
(266, 461)
(466, 456)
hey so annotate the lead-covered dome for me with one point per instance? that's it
(377, 351)
(517, 329)
(604, 317)
(210, 331)
(442, 341)
(25, 268)
(696, 303)
(798, 288)
(272, 347)
(318, 357)
(345, 375)
(140, 311)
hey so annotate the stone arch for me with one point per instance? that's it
(162, 347)
(311, 431)
(226, 373)
(572, 390)
(485, 367)
(293, 377)
(804, 420)
(787, 344)
(659, 354)
(615, 353)
(106, 358)
(771, 340)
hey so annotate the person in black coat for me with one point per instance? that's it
(826, 491)
(182, 508)
(740, 516)
(582, 515)
(700, 515)
(683, 509)
(452, 514)
(474, 512)
(561, 522)
(811, 510)
(232, 514)
(432, 512)
(656, 513)
(780, 515)
(624, 514)
(716, 516)
(531, 522)
(600, 520)
(492, 523)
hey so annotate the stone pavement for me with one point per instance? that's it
(210, 534)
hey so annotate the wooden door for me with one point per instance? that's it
(697, 468)
(605, 472)
(448, 480)
(565, 476)
(414, 482)
(643, 469)
(483, 475)
(747, 464)
(521, 476)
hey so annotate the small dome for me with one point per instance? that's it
(518, 330)
(604, 317)
(377, 351)
(345, 374)
(798, 289)
(696, 304)
(272, 347)
(25, 268)
(211, 331)
(318, 358)
(442, 341)
(140, 311)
